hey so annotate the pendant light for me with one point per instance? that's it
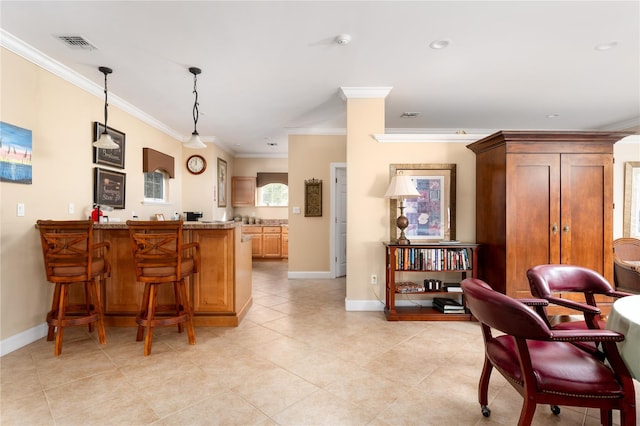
(105, 141)
(195, 141)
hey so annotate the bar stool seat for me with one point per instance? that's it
(161, 257)
(71, 257)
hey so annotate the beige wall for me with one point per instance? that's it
(252, 166)
(310, 157)
(60, 115)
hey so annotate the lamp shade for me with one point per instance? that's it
(401, 187)
(106, 142)
(195, 142)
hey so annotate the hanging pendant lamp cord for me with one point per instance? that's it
(195, 105)
(106, 113)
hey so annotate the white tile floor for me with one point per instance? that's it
(298, 358)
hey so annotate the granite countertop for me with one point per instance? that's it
(186, 225)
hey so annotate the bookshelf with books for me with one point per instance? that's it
(423, 280)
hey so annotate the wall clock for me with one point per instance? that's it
(196, 164)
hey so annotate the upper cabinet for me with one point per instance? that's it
(243, 191)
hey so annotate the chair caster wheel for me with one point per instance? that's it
(555, 409)
(485, 410)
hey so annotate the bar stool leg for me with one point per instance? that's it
(87, 302)
(187, 308)
(54, 312)
(62, 307)
(144, 312)
(102, 337)
(176, 297)
(151, 312)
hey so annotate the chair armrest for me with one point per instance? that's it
(586, 335)
(617, 293)
(582, 307)
(106, 245)
(196, 254)
(534, 302)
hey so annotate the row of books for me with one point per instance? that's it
(433, 259)
(448, 306)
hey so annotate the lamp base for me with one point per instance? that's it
(402, 223)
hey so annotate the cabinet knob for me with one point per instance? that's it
(565, 229)
(554, 228)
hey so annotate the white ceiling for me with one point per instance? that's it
(273, 68)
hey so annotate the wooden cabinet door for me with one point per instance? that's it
(243, 191)
(533, 217)
(285, 242)
(213, 285)
(271, 245)
(587, 212)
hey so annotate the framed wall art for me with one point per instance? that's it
(15, 154)
(313, 198)
(109, 157)
(631, 220)
(109, 188)
(222, 183)
(432, 215)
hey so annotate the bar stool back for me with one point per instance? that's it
(159, 258)
(70, 257)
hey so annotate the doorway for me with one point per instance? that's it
(338, 219)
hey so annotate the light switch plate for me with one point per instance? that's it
(20, 210)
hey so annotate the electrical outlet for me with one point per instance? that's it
(374, 279)
(72, 208)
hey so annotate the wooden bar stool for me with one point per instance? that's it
(70, 257)
(159, 258)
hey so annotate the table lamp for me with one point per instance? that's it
(400, 188)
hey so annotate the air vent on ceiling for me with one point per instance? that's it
(76, 42)
(409, 114)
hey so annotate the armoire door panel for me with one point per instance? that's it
(587, 211)
(533, 185)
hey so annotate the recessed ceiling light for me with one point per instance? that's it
(409, 114)
(343, 39)
(553, 115)
(272, 144)
(606, 46)
(439, 44)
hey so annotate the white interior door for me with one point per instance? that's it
(341, 221)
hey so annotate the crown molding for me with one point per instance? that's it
(364, 92)
(429, 138)
(20, 48)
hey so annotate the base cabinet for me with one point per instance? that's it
(419, 271)
(220, 293)
(268, 241)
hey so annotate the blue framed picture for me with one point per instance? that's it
(15, 154)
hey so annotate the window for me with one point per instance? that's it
(155, 186)
(273, 194)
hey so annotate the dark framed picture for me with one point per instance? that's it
(222, 183)
(109, 157)
(313, 198)
(109, 188)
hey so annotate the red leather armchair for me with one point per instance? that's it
(545, 280)
(543, 365)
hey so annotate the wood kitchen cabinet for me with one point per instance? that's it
(243, 191)
(268, 241)
(543, 197)
(271, 241)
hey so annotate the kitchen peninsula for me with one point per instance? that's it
(220, 293)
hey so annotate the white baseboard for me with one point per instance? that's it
(19, 340)
(363, 305)
(309, 275)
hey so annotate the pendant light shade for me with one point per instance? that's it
(105, 141)
(195, 141)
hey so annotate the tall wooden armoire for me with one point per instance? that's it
(543, 197)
